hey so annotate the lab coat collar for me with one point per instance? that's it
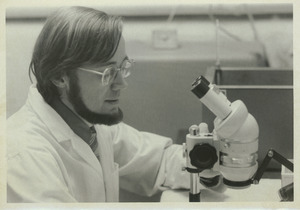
(76, 124)
(58, 127)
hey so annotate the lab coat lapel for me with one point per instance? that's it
(109, 168)
(84, 150)
(60, 129)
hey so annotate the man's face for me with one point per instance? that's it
(91, 100)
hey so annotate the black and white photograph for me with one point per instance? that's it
(148, 104)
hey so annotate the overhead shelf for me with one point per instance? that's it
(158, 9)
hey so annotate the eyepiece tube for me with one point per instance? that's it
(211, 97)
(200, 87)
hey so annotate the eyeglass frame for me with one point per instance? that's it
(117, 69)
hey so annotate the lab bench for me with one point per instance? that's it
(266, 191)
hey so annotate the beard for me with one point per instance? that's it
(75, 98)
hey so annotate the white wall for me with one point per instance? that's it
(21, 36)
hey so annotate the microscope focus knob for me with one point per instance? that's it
(203, 156)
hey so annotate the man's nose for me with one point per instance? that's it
(119, 82)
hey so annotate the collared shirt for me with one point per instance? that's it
(79, 127)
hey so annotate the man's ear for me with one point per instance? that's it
(61, 82)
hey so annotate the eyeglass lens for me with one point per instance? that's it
(111, 72)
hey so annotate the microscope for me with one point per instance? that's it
(230, 150)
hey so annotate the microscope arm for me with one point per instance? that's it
(286, 193)
(262, 168)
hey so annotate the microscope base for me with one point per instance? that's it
(194, 197)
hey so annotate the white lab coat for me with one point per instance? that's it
(48, 162)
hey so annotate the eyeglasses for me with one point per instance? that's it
(110, 72)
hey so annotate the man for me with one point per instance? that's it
(68, 142)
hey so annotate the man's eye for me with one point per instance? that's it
(127, 65)
(112, 70)
(106, 76)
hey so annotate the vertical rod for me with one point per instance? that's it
(217, 44)
(194, 195)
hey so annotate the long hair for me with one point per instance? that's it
(71, 37)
